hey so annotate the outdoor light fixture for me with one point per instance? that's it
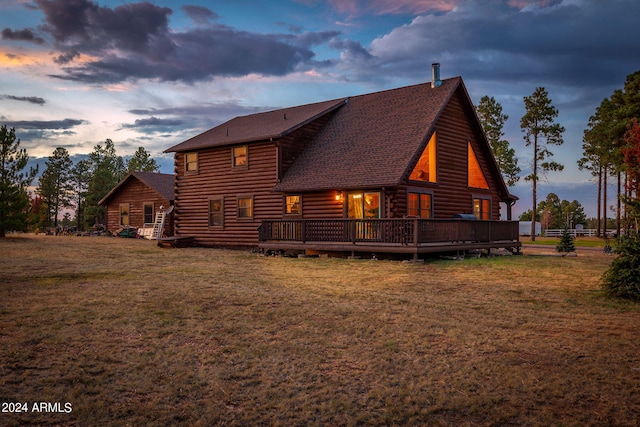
(338, 196)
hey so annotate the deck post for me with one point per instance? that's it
(491, 231)
(303, 231)
(416, 233)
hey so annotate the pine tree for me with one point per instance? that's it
(142, 162)
(492, 120)
(107, 169)
(540, 130)
(566, 242)
(80, 177)
(622, 279)
(14, 200)
(55, 184)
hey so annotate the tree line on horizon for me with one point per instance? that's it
(611, 148)
(62, 185)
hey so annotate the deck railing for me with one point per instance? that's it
(397, 231)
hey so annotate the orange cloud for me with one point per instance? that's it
(10, 59)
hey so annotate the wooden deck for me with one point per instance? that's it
(400, 236)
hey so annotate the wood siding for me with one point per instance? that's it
(136, 195)
(216, 178)
(322, 205)
(451, 194)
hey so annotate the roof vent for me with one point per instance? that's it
(435, 75)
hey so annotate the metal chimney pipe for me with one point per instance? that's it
(435, 75)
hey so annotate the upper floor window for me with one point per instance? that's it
(475, 176)
(292, 205)
(425, 169)
(191, 162)
(240, 156)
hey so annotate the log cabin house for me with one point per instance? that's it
(384, 172)
(135, 200)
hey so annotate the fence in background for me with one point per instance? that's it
(557, 232)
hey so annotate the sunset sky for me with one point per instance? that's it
(76, 72)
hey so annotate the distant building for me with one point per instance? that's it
(135, 200)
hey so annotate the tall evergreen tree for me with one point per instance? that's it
(55, 184)
(599, 154)
(549, 212)
(630, 145)
(493, 120)
(540, 130)
(80, 177)
(572, 214)
(107, 169)
(142, 162)
(14, 200)
(603, 143)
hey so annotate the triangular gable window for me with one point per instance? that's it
(475, 175)
(425, 170)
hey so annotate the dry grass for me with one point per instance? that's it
(130, 334)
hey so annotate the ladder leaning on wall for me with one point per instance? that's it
(158, 225)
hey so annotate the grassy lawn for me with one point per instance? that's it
(130, 334)
(579, 242)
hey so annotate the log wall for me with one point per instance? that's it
(451, 195)
(216, 178)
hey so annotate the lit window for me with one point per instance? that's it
(292, 205)
(363, 205)
(240, 156)
(419, 205)
(216, 212)
(425, 170)
(476, 177)
(482, 208)
(191, 162)
(245, 207)
(124, 214)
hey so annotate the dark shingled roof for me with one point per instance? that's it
(258, 127)
(162, 183)
(372, 140)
